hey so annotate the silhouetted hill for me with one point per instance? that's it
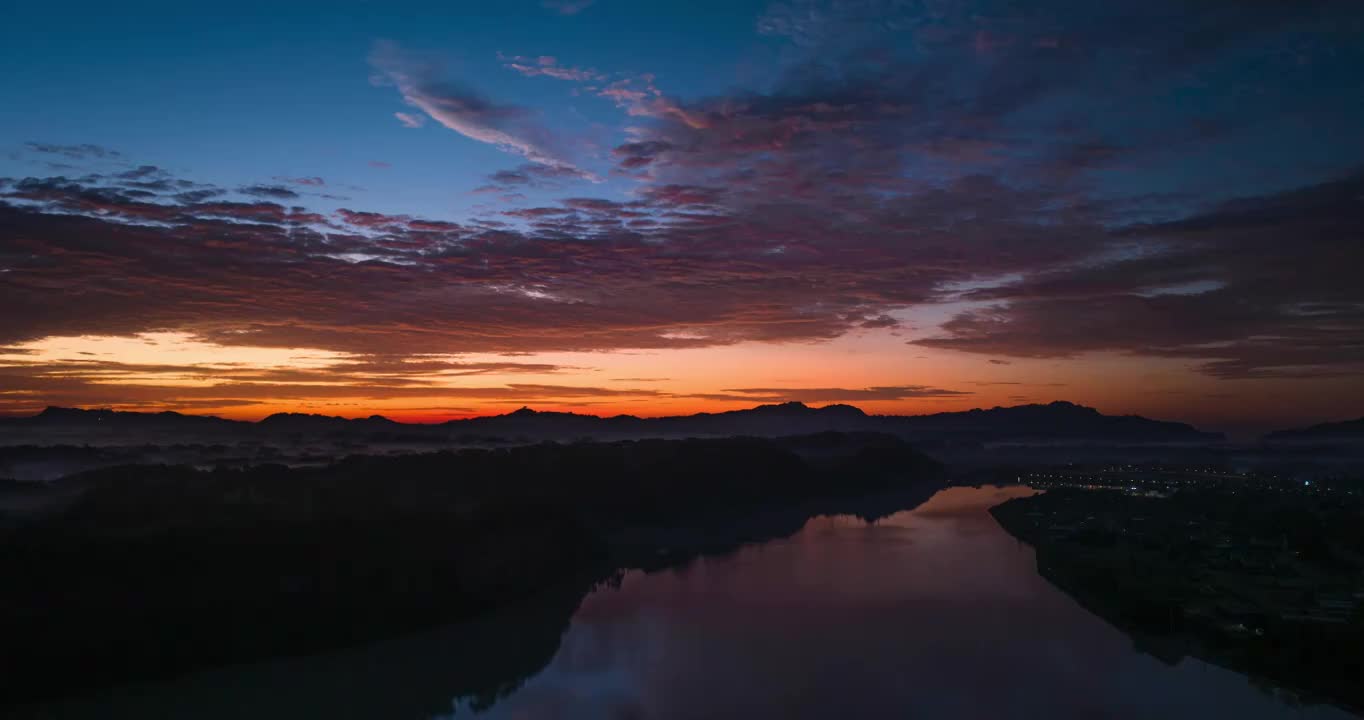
(60, 417)
(1057, 422)
(1053, 422)
(308, 422)
(1349, 431)
(769, 420)
(546, 425)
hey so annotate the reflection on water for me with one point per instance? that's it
(930, 613)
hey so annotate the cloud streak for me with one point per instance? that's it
(85, 151)
(567, 7)
(833, 395)
(509, 128)
(547, 66)
(409, 120)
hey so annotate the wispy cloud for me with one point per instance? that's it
(824, 395)
(510, 128)
(410, 120)
(273, 192)
(567, 7)
(83, 151)
(547, 66)
(310, 181)
(639, 96)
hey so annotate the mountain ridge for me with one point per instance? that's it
(1343, 431)
(1056, 421)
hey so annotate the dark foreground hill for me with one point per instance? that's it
(142, 571)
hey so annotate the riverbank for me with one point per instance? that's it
(1262, 583)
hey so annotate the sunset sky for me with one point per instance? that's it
(450, 209)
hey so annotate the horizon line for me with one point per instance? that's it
(524, 408)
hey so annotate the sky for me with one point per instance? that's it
(438, 210)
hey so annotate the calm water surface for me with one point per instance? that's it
(930, 613)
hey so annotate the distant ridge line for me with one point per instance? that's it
(1058, 420)
(794, 406)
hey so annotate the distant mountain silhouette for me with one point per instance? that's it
(307, 422)
(1050, 423)
(76, 417)
(1057, 421)
(1349, 431)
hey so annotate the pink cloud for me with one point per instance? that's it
(547, 66)
(639, 97)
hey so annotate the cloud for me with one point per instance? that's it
(679, 265)
(894, 160)
(640, 97)
(381, 281)
(274, 192)
(531, 174)
(313, 181)
(1258, 287)
(84, 151)
(826, 395)
(33, 382)
(880, 322)
(567, 7)
(414, 228)
(509, 128)
(547, 66)
(409, 120)
(140, 172)
(635, 155)
(879, 91)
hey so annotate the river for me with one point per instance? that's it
(933, 612)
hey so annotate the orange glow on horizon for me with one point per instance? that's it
(875, 370)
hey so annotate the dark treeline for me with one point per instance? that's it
(154, 569)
